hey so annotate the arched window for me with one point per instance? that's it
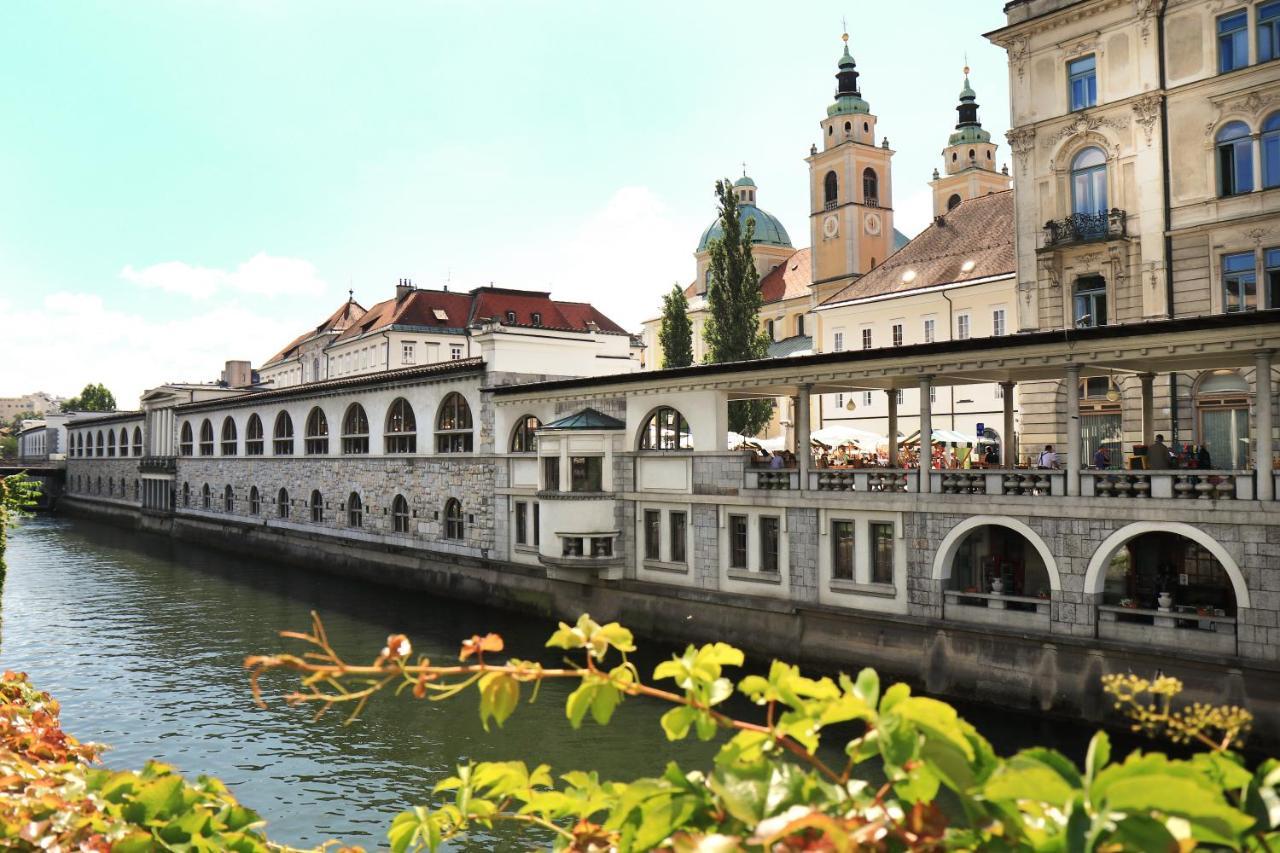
(185, 441)
(706, 280)
(400, 514)
(525, 437)
(98, 485)
(453, 425)
(1222, 399)
(229, 499)
(954, 201)
(317, 506)
(111, 442)
(1089, 182)
(454, 525)
(186, 494)
(1271, 151)
(228, 436)
(355, 511)
(830, 189)
(206, 438)
(1235, 159)
(666, 429)
(111, 487)
(870, 186)
(253, 441)
(282, 443)
(206, 497)
(124, 441)
(355, 430)
(137, 441)
(401, 434)
(77, 444)
(282, 503)
(255, 501)
(317, 440)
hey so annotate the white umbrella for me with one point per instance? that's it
(835, 436)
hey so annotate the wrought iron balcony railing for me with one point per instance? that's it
(1085, 228)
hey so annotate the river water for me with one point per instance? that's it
(142, 639)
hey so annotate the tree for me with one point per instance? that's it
(676, 334)
(94, 398)
(8, 447)
(733, 331)
(28, 415)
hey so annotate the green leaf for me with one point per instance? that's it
(606, 700)
(677, 721)
(499, 695)
(1029, 781)
(1263, 800)
(893, 696)
(1212, 820)
(1098, 756)
(1143, 832)
(160, 797)
(579, 702)
(618, 637)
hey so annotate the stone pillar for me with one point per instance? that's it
(804, 452)
(1148, 408)
(1010, 442)
(926, 432)
(1262, 425)
(893, 427)
(1073, 430)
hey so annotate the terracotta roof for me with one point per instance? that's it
(441, 309)
(347, 314)
(978, 230)
(789, 279)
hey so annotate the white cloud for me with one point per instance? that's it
(261, 275)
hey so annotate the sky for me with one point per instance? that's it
(184, 182)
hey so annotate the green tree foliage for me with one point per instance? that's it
(676, 333)
(28, 415)
(732, 331)
(938, 784)
(8, 446)
(94, 398)
(18, 494)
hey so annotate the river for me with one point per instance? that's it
(142, 639)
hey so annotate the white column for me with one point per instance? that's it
(1262, 425)
(804, 453)
(1073, 430)
(926, 432)
(1010, 443)
(1148, 408)
(893, 427)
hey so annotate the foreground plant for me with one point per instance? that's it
(18, 494)
(944, 788)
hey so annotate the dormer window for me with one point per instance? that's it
(537, 319)
(511, 316)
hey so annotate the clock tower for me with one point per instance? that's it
(850, 189)
(969, 160)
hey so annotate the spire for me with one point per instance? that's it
(968, 107)
(848, 97)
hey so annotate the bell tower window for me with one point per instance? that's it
(870, 187)
(830, 189)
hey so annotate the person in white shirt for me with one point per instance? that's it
(1048, 459)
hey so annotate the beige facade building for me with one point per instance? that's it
(1146, 137)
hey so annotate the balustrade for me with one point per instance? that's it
(1184, 485)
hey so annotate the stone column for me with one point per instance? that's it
(893, 427)
(1073, 430)
(1262, 425)
(804, 452)
(1148, 408)
(1010, 443)
(926, 432)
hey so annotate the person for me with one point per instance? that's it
(1203, 459)
(1048, 459)
(966, 456)
(993, 455)
(1100, 458)
(775, 461)
(1158, 455)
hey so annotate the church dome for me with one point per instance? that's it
(769, 230)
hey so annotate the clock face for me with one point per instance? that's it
(872, 224)
(831, 225)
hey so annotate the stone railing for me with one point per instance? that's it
(1180, 484)
(863, 480)
(772, 479)
(1085, 228)
(990, 481)
(989, 608)
(158, 464)
(1183, 631)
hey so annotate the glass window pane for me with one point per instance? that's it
(652, 534)
(737, 541)
(881, 552)
(769, 527)
(842, 550)
(1271, 159)
(679, 533)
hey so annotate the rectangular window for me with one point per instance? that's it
(881, 552)
(455, 353)
(602, 546)
(585, 473)
(1082, 82)
(999, 391)
(899, 396)
(997, 322)
(929, 327)
(866, 398)
(933, 393)
(770, 525)
(551, 474)
(537, 521)
(522, 523)
(1270, 272)
(842, 550)
(679, 534)
(737, 541)
(839, 401)
(652, 534)
(1239, 283)
(866, 339)
(897, 334)
(838, 344)
(1269, 32)
(962, 327)
(406, 353)
(1090, 302)
(571, 546)
(1233, 41)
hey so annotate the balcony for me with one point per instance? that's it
(158, 464)
(1085, 228)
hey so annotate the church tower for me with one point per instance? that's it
(850, 189)
(969, 159)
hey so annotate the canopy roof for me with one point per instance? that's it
(588, 418)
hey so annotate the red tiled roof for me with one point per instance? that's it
(347, 314)
(978, 230)
(789, 279)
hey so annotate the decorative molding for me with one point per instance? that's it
(1252, 104)
(1022, 141)
(1146, 110)
(1085, 124)
(1257, 235)
(1144, 9)
(1089, 44)
(1019, 48)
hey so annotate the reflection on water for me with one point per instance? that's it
(142, 640)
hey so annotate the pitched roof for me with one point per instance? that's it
(794, 345)
(588, 418)
(978, 230)
(789, 279)
(347, 314)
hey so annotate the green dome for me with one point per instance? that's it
(848, 105)
(744, 181)
(971, 134)
(769, 230)
(967, 93)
